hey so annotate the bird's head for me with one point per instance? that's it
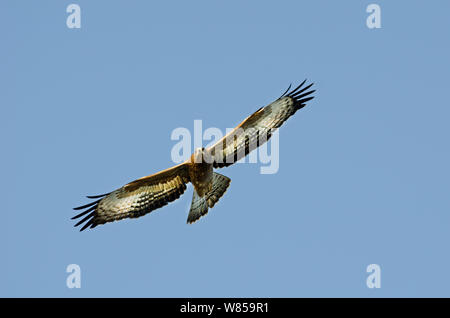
(201, 155)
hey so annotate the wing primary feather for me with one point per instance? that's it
(96, 196)
(295, 89)
(304, 95)
(86, 205)
(83, 213)
(303, 101)
(301, 91)
(86, 218)
(87, 224)
(282, 95)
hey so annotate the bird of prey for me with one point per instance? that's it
(149, 193)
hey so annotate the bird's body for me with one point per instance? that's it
(146, 194)
(200, 171)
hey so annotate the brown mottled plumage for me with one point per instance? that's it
(146, 194)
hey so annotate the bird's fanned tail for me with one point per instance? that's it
(200, 205)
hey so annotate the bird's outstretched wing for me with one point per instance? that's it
(256, 129)
(136, 198)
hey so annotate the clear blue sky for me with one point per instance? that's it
(364, 169)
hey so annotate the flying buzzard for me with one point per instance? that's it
(149, 193)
